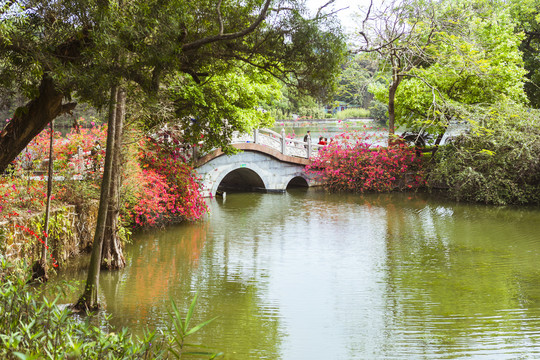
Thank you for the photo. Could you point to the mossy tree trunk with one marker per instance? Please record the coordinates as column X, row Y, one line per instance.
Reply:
column 89, row 299
column 112, row 256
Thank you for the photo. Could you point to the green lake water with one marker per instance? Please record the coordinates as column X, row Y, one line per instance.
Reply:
column 311, row 275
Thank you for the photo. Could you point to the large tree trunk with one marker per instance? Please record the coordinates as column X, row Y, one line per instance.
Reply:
column 30, row 120
column 89, row 300
column 112, row 256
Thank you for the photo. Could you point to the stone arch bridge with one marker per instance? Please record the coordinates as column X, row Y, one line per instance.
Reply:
column 268, row 162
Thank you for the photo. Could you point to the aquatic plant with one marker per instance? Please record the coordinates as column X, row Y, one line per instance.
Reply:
column 33, row 327
column 179, row 331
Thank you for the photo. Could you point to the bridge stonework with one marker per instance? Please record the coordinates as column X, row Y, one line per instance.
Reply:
column 257, row 165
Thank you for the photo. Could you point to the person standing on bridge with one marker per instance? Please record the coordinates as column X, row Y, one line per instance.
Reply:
column 307, row 138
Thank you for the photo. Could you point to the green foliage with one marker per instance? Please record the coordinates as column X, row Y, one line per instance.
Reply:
column 182, row 60
column 59, row 233
column 227, row 102
column 472, row 57
column 358, row 73
column 378, row 111
column 357, row 113
column 79, row 193
column 32, row 327
column 498, row 162
column 527, row 16
column 88, row 45
column 294, row 104
column 180, row 330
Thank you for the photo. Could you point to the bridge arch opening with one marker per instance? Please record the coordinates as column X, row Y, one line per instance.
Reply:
column 297, row 182
column 241, row 180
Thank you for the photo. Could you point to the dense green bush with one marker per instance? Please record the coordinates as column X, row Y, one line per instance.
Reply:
column 497, row 161
column 356, row 113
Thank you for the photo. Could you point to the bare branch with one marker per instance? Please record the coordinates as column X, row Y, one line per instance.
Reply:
column 380, row 47
column 230, row 36
column 325, row 5
column 367, row 16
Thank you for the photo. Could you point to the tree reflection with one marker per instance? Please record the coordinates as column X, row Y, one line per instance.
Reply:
column 176, row 264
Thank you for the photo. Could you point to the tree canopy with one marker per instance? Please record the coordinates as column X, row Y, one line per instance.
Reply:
column 57, row 50
column 444, row 55
column 358, row 73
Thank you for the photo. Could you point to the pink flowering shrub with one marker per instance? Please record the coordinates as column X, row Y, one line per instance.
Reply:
column 169, row 190
column 351, row 163
column 159, row 186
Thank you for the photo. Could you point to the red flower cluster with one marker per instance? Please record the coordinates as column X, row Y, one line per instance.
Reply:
column 350, row 162
column 169, row 189
column 74, row 153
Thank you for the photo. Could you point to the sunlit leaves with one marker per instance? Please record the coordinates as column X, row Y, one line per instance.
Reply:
column 225, row 103
column 473, row 58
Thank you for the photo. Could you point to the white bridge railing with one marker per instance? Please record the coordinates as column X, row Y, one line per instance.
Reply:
column 279, row 142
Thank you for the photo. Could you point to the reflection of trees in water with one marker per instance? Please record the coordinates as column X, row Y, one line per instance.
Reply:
column 157, row 263
column 452, row 274
column 458, row 273
column 232, row 292
column 177, row 263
